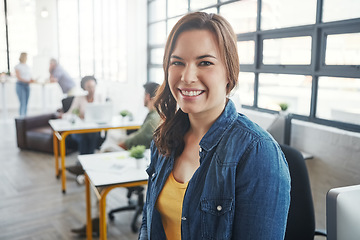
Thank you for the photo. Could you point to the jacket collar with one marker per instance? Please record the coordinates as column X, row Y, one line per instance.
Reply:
column 220, row 127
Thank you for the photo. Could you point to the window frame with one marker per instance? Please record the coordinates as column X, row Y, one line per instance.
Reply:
column 317, row 67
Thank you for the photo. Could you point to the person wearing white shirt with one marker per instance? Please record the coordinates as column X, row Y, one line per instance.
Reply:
column 23, row 75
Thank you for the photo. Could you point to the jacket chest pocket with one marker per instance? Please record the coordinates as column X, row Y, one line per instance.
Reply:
column 216, row 218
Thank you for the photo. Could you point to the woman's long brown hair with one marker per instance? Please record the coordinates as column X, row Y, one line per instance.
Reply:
column 169, row 136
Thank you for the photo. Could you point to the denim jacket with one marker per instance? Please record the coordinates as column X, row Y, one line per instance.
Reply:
column 240, row 191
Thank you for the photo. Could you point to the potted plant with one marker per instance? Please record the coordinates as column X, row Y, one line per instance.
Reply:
column 137, row 152
column 74, row 115
column 283, row 106
column 126, row 113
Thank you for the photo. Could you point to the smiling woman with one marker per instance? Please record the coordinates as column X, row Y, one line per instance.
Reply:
column 213, row 174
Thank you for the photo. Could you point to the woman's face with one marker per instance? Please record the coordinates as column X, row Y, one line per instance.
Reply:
column 197, row 74
column 90, row 87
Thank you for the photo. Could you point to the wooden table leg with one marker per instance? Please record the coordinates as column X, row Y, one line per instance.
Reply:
column 63, row 172
column 102, row 216
column 56, row 154
column 88, row 209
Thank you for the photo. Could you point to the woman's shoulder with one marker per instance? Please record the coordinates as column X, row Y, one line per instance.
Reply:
column 242, row 137
column 244, row 127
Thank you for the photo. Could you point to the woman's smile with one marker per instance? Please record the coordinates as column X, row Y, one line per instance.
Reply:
column 190, row 92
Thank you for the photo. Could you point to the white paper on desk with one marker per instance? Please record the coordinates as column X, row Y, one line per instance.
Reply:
column 110, row 168
column 109, row 163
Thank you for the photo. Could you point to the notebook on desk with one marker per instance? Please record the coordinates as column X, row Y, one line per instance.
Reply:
column 99, row 112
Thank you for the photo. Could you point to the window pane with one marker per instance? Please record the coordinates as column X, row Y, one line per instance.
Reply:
column 157, row 33
column 245, row 88
column 157, row 10
column 241, row 15
column 177, row 7
column 296, row 50
column 197, row 4
column 295, row 90
column 86, row 38
column 210, row 10
column 339, row 99
column 109, row 41
column 22, row 31
column 3, row 56
column 156, row 75
column 340, row 9
column 287, row 13
column 170, row 24
column 343, row 49
column 246, row 51
column 98, row 40
column 69, row 46
column 157, row 55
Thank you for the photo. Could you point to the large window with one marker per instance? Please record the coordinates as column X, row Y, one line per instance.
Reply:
column 92, row 39
column 303, row 53
column 3, row 51
column 90, row 36
column 21, row 23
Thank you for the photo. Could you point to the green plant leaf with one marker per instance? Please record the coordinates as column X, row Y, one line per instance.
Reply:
column 283, row 106
column 125, row 113
column 137, row 151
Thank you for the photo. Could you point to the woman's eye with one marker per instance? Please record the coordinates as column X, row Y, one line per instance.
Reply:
column 176, row 63
column 205, row 63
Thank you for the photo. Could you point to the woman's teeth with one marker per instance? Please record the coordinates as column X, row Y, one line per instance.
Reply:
column 191, row 93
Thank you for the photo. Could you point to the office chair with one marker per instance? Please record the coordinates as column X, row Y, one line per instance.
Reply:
column 132, row 205
column 301, row 217
column 66, row 103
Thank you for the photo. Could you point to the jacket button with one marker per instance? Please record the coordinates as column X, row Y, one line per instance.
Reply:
column 219, row 208
column 153, row 176
column 183, row 218
column 200, row 150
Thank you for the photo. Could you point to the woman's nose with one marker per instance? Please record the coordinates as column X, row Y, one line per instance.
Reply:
column 189, row 75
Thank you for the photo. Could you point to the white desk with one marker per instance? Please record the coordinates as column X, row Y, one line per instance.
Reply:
column 106, row 171
column 62, row 128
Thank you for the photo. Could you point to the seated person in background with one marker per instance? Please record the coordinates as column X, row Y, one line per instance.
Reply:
column 87, row 142
column 143, row 136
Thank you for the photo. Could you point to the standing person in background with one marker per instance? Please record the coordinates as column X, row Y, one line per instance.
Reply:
column 59, row 75
column 214, row 174
column 23, row 75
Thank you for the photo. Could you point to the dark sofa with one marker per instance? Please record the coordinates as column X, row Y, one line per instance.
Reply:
column 35, row 133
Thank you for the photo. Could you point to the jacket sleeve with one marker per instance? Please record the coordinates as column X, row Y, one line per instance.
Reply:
column 262, row 193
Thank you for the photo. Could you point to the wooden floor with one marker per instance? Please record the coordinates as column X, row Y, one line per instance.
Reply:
column 32, row 205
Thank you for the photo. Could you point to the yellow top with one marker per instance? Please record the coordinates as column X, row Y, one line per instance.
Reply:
column 169, row 204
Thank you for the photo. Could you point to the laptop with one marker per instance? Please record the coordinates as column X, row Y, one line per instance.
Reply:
column 99, row 112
